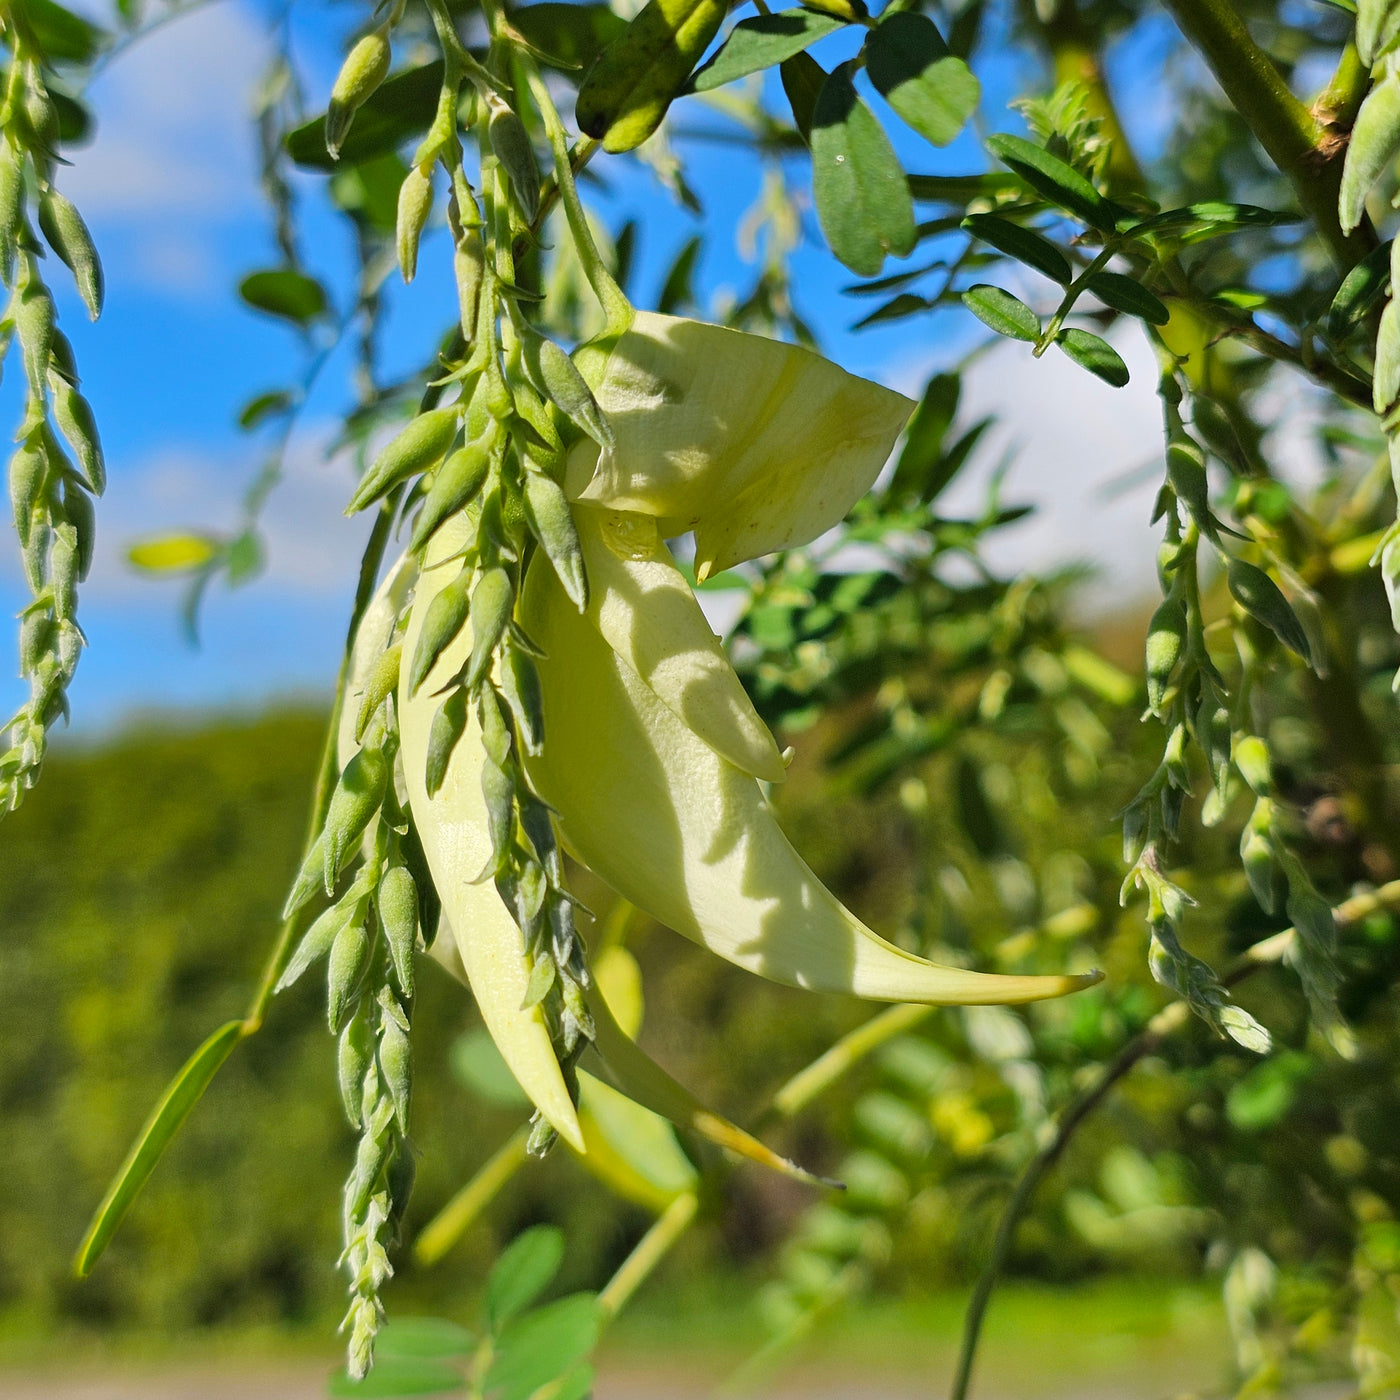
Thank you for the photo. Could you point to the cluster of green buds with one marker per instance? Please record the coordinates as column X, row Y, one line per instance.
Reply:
column 50, row 492
column 1189, row 694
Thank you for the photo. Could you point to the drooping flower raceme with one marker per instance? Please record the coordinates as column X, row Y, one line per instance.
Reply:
column 652, row 751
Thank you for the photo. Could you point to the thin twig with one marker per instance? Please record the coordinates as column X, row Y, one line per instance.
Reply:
column 1266, row 953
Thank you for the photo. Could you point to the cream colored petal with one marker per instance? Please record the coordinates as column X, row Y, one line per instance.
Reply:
column 754, row 444
column 687, row 837
column 453, row 829
column 648, row 614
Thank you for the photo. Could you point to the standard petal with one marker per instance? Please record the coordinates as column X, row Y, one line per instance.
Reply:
column 452, row 826
column 648, row 614
column 685, row 835
column 753, row 444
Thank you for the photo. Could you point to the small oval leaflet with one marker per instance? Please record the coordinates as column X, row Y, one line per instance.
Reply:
column 1020, row 243
column 1128, row 296
column 1005, row 314
column 284, row 292
column 761, row 42
column 1051, row 177
column 1094, row 354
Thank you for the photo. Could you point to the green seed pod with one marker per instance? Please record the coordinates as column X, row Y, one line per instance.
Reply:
column 398, row 917
column 417, row 448
column 520, row 684
column 68, row 236
column 456, row 483
column 499, row 792
column 36, row 637
column 365, row 67
column 553, row 523
column 381, row 683
column 448, row 726
column 511, row 143
column 34, row 320
column 77, row 506
column 415, row 204
column 345, row 971
column 74, row 416
column 316, row 942
column 354, row 1056
column 36, row 552
column 493, row 601
column 447, row 614
column 468, row 268
column 357, row 797
column 11, row 207
column 558, row 376
column 64, row 558
column 1166, row 637
column 396, row 1066
column 28, row 468
column 1251, row 757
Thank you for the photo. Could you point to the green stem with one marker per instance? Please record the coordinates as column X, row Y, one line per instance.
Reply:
column 1072, row 293
column 651, row 1249
column 1295, row 140
column 1266, row 953
column 1338, row 103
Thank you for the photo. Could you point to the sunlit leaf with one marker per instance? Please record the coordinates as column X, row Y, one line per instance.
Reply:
column 1094, row 354
column 1005, row 314
column 763, row 42
column 934, row 92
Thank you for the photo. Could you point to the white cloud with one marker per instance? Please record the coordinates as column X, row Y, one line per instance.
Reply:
column 173, row 155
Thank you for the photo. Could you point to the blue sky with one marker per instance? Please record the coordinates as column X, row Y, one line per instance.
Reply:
column 169, row 188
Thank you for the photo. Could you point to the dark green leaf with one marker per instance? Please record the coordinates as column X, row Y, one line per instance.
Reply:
column 1022, row 244
column 1128, row 296
column 1094, row 354
column 912, row 69
column 863, row 203
column 74, row 119
column 401, row 108
column 1361, row 292
column 1263, row 600
column 283, row 292
column 1056, row 181
column 1005, row 314
column 369, row 191
column 923, row 438
column 524, row 1270
column 802, row 78
column 400, row 1376
column 543, row 1345
column 635, row 79
column 961, row 189
column 896, row 309
column 181, row 1095
column 63, row 35
column 762, row 42
column 678, row 291
column 1210, row 219
column 262, row 407
column 567, row 36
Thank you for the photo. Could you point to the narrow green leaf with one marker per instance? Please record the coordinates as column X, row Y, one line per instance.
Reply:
column 264, row 406
column 183, row 1092
column 677, row 291
column 924, row 437
column 1361, row 291
column 635, row 79
column 1209, row 219
column 762, row 42
column 1051, row 177
column 1263, row 600
column 928, row 87
column 284, row 292
column 863, row 202
column 1005, row 314
column 1128, row 296
column 401, row 108
column 1374, row 141
column 896, row 309
column 524, row 1270
column 802, row 77
column 1022, row 244
column 565, row 36
column 960, row 190
column 1094, row 354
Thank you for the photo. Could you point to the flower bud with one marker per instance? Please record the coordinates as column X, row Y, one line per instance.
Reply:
column 493, row 600
column 398, row 917
column 415, row 448
column 396, row 1066
column 446, row 616
column 365, row 67
column 68, row 236
column 345, row 970
column 511, row 143
column 28, row 468
column 458, row 480
column 448, row 724
column 1251, row 757
column 553, row 523
column 354, row 1056
column 1166, row 636
column 34, row 319
column 74, row 416
column 357, row 797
